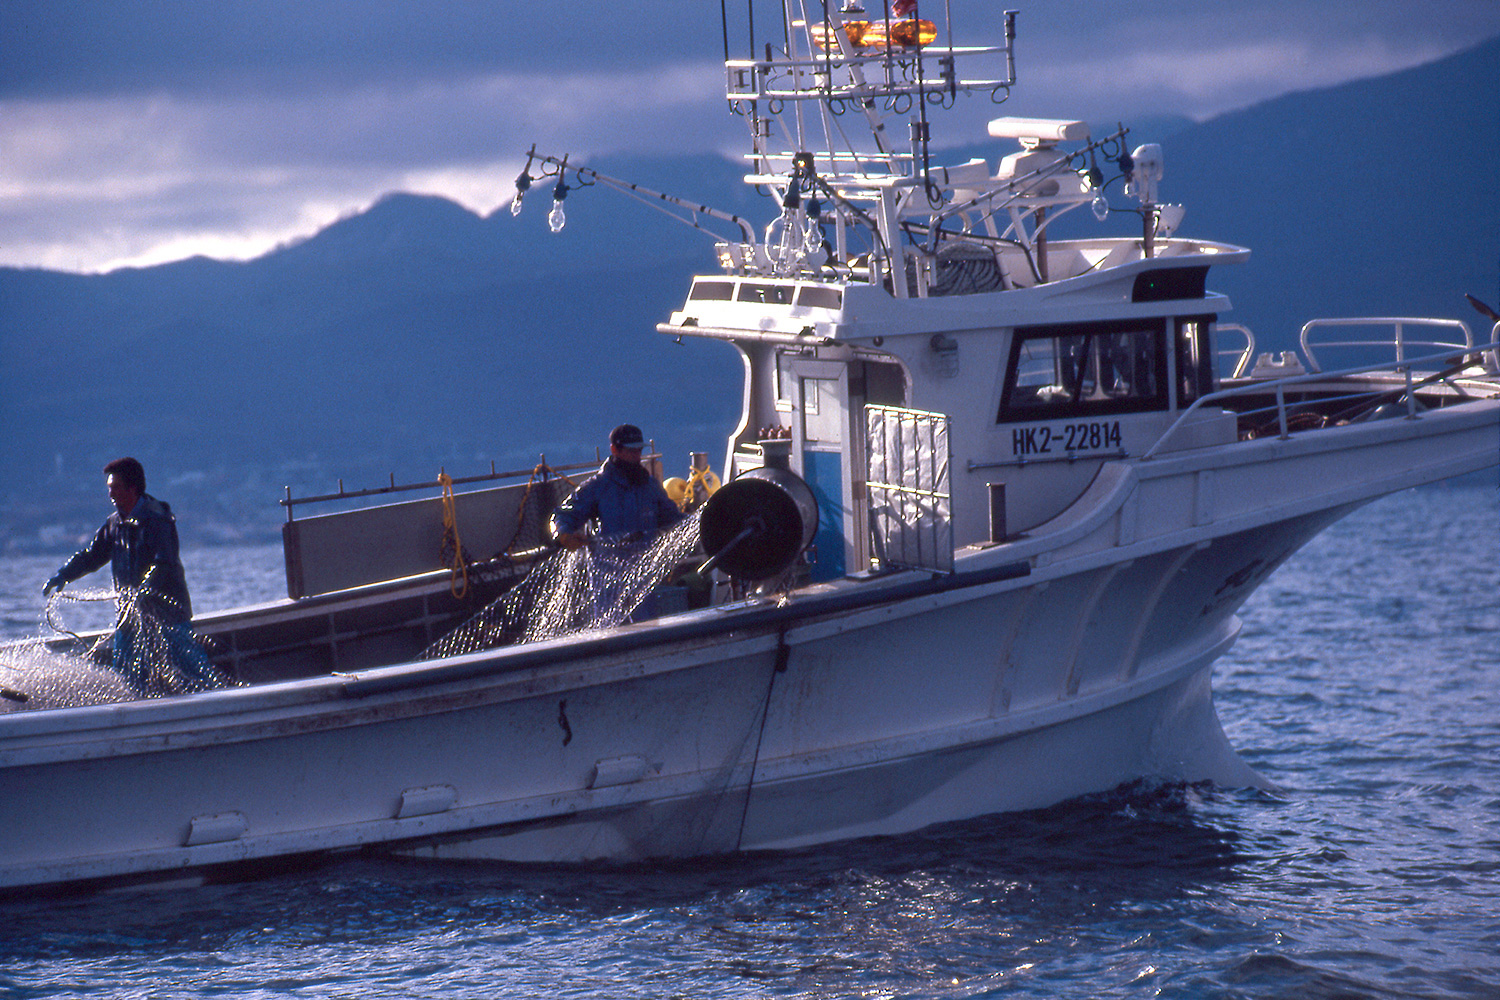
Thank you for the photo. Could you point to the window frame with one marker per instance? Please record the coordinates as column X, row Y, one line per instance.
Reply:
column 1154, row 326
column 1195, row 377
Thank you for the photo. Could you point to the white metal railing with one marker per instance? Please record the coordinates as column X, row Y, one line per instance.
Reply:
column 808, row 77
column 1246, row 355
column 1399, row 341
column 1279, row 386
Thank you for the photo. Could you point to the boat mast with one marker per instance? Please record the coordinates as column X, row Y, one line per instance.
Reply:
column 886, row 65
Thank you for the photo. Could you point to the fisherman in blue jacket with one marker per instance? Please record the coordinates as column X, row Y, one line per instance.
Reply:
column 139, row 541
column 626, row 500
column 631, row 509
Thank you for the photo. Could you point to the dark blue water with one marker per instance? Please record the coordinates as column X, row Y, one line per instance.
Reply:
column 1366, row 686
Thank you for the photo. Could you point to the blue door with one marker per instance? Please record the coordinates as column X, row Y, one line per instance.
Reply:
column 824, row 418
column 824, row 473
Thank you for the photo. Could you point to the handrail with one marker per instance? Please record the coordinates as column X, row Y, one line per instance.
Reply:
column 1399, row 322
column 1246, row 355
column 1280, row 384
column 290, row 501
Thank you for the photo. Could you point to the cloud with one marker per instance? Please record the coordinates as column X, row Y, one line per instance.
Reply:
column 61, row 48
column 140, row 132
column 93, row 183
column 1203, row 81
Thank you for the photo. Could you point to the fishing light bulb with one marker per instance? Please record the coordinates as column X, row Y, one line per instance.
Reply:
column 522, row 183
column 558, row 218
column 812, row 227
column 1100, row 205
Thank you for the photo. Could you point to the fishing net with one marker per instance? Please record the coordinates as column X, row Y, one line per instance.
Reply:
column 35, row 677
column 151, row 657
column 599, row 585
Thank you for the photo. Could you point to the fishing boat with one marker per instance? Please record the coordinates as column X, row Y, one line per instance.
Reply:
column 995, row 496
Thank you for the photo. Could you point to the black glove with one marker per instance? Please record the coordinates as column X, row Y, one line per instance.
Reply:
column 53, row 585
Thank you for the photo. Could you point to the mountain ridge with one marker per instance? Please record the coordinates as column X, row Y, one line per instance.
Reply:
column 418, row 334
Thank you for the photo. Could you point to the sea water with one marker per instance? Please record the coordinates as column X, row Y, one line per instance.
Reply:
column 1364, row 686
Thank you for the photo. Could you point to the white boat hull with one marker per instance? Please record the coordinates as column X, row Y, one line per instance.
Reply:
column 706, row 749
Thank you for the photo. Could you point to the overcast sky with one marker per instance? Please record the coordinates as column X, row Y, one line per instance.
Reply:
column 140, row 132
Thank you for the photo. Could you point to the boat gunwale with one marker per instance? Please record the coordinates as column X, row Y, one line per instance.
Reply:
column 701, row 627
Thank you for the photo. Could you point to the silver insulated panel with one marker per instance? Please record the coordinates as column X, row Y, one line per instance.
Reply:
column 911, row 507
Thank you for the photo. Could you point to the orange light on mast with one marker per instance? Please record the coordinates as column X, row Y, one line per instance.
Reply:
column 912, row 33
column 823, row 35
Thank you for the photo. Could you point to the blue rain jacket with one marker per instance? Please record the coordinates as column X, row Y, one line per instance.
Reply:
column 623, row 507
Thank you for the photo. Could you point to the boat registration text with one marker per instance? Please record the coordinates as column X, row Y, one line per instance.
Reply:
column 1043, row 439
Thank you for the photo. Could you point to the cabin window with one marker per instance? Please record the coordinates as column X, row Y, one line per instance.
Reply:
column 822, row 416
column 771, row 295
column 784, row 382
column 1096, row 368
column 720, row 291
column 1195, row 359
column 820, row 297
column 1169, row 284
column 885, row 384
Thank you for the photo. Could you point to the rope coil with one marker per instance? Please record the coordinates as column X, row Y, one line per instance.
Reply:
column 453, row 555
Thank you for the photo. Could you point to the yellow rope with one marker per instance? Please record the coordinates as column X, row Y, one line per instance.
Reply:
column 539, row 474
column 459, row 585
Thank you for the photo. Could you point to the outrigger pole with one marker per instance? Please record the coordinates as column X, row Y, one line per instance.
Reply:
column 653, row 199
